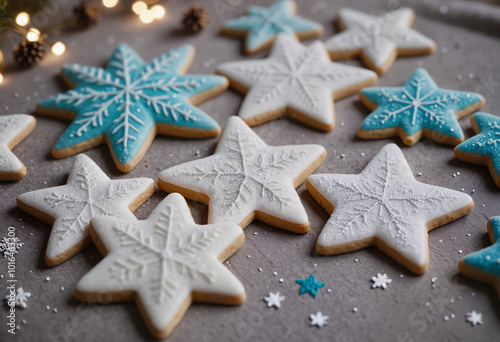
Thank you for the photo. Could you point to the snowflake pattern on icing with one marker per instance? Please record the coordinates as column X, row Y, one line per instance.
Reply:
column 166, row 255
column 10, row 246
column 382, row 198
column 10, row 128
column 246, row 175
column 86, row 200
column 294, row 76
column 486, row 142
column 377, row 37
column 246, row 172
column 384, row 201
column 419, row 104
column 125, row 100
column 163, row 259
column 88, row 193
column 263, row 24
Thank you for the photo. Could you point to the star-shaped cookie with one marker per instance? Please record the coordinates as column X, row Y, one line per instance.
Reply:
column 484, row 265
column 378, row 39
column 164, row 263
column 246, row 179
column 69, row 208
column 261, row 25
column 13, row 129
column 386, row 207
column 129, row 102
column 417, row 109
column 483, row 148
column 295, row 79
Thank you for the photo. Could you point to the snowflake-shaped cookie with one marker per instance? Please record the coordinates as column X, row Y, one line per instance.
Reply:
column 246, row 179
column 13, row 129
column 483, row 148
column 484, row 265
column 261, row 25
column 164, row 262
column 378, row 39
column 127, row 103
column 69, row 208
column 417, row 109
column 295, row 79
column 386, row 207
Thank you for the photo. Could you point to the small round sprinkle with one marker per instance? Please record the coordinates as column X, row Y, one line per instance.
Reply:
column 355, row 309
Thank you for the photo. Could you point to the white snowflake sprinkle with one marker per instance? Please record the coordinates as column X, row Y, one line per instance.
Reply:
column 20, row 298
column 318, row 319
column 474, row 318
column 274, row 299
column 381, row 280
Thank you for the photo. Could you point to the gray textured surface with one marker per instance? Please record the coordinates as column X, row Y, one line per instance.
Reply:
column 399, row 313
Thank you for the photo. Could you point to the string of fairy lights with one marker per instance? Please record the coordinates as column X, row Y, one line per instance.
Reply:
column 147, row 11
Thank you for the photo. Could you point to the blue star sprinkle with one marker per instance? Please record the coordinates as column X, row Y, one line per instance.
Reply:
column 262, row 24
column 484, row 265
column 309, row 285
column 483, row 148
column 419, row 108
column 130, row 101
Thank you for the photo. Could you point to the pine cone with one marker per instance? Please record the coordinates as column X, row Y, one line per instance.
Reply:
column 28, row 53
column 195, row 19
column 87, row 13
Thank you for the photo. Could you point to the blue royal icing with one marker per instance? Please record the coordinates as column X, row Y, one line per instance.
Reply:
column 264, row 23
column 125, row 100
column 418, row 104
column 487, row 260
column 487, row 141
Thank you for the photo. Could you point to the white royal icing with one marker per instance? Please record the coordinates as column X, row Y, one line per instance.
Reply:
column 10, row 127
column 246, row 175
column 88, row 193
column 296, row 76
column 377, row 36
column 163, row 259
column 385, row 201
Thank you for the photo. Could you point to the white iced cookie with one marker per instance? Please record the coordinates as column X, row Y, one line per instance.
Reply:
column 386, row 207
column 295, row 79
column 69, row 208
column 378, row 39
column 164, row 262
column 13, row 129
column 246, row 179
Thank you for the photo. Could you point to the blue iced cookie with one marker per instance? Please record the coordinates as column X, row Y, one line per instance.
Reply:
column 483, row 148
column 484, row 265
column 261, row 25
column 417, row 109
column 130, row 101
